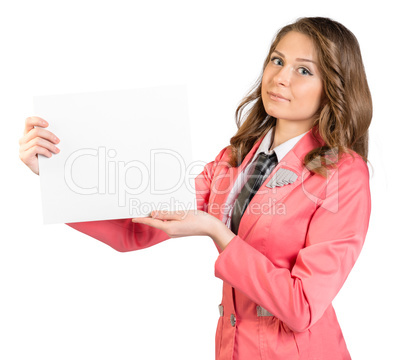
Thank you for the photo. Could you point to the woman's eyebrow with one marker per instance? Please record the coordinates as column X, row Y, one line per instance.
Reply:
column 298, row 59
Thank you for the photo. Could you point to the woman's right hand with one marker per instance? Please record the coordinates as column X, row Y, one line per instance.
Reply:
column 36, row 141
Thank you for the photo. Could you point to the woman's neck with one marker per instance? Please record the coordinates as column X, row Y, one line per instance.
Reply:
column 285, row 130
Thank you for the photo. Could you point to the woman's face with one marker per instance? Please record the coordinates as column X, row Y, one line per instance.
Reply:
column 292, row 86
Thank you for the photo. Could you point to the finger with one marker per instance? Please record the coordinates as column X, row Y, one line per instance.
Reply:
column 32, row 121
column 40, row 143
column 39, row 133
column 168, row 215
column 29, row 157
column 159, row 224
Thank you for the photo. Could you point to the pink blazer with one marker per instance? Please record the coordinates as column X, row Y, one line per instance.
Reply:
column 295, row 247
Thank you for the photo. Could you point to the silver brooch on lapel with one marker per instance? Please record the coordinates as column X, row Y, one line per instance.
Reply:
column 282, row 177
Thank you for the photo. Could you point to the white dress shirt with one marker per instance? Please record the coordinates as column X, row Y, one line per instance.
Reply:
column 280, row 150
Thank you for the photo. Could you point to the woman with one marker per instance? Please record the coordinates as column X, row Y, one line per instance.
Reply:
column 284, row 250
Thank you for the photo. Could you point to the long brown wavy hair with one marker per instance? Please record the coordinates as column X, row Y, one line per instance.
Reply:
column 345, row 116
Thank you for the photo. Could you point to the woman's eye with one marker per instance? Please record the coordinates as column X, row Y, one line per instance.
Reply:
column 304, row 71
column 276, row 61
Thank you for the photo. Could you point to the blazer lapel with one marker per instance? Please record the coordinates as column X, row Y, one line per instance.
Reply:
column 225, row 183
column 290, row 167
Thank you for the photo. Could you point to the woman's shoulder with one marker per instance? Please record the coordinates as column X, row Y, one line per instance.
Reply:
column 351, row 166
column 224, row 155
column 352, row 159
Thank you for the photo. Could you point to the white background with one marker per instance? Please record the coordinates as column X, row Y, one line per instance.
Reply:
column 65, row 295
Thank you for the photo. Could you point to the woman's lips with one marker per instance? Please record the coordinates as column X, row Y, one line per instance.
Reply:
column 277, row 97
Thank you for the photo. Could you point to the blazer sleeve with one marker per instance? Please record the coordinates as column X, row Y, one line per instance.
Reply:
column 335, row 237
column 123, row 235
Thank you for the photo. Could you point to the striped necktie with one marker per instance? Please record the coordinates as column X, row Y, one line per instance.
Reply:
column 264, row 165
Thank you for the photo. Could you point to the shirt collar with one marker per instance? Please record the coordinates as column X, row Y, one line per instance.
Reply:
column 280, row 150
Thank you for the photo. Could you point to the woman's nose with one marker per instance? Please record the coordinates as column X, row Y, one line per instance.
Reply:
column 283, row 76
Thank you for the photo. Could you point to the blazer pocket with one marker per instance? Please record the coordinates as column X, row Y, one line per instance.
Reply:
column 276, row 340
column 303, row 343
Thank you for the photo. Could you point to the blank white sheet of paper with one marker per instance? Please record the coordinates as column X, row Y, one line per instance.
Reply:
column 122, row 154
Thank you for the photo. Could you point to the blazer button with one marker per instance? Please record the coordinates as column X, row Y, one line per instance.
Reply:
column 233, row 320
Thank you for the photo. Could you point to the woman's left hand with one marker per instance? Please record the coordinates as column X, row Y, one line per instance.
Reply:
column 189, row 223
